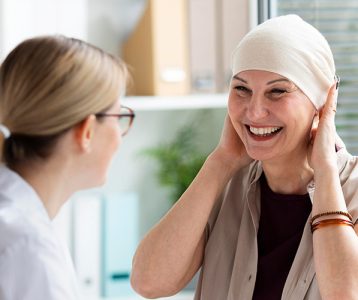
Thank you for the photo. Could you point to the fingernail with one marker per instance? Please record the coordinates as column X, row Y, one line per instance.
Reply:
column 338, row 80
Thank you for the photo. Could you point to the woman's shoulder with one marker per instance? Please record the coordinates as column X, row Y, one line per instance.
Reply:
column 231, row 200
column 348, row 174
column 348, row 166
column 19, row 230
column 244, row 177
column 23, row 218
column 27, row 257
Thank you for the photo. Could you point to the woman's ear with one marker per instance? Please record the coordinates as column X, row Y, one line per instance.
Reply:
column 84, row 132
column 314, row 126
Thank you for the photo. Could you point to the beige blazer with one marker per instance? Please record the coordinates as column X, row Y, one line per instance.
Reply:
column 229, row 267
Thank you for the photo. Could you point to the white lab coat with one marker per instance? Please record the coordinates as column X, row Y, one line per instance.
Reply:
column 34, row 264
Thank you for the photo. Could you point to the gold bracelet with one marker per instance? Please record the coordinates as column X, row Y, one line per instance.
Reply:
column 328, row 213
column 328, row 222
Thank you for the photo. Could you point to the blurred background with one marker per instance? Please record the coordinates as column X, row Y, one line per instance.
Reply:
column 179, row 53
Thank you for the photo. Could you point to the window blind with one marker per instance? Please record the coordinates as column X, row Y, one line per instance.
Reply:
column 338, row 22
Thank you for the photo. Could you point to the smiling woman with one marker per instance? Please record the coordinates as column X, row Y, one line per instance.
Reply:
column 271, row 115
column 245, row 219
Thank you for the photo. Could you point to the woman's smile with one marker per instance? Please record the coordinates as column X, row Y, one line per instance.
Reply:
column 263, row 133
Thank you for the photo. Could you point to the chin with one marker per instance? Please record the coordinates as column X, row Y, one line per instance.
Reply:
column 260, row 155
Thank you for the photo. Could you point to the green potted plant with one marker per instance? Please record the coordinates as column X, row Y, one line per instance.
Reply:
column 178, row 160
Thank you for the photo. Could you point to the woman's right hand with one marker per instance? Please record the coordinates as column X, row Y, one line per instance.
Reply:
column 231, row 150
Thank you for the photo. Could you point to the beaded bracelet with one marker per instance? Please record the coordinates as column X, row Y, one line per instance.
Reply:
column 328, row 213
column 329, row 222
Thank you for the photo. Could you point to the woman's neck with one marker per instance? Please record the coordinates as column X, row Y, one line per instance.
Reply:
column 288, row 176
column 50, row 181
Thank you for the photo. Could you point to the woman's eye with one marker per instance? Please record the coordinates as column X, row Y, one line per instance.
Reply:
column 276, row 93
column 241, row 90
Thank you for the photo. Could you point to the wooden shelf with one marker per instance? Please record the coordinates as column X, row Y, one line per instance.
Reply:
column 195, row 101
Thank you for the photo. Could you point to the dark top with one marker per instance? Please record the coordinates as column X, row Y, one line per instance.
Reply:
column 282, row 220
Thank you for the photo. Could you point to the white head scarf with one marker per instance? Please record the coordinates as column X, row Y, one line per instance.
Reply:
column 292, row 48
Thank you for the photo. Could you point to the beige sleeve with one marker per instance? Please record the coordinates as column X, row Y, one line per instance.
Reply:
column 214, row 214
column 349, row 181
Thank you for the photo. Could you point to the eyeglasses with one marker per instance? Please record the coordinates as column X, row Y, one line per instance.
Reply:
column 125, row 118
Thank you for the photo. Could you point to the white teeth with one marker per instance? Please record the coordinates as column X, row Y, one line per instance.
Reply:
column 263, row 131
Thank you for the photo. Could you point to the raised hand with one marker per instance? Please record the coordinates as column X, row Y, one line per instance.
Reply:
column 322, row 148
column 231, row 149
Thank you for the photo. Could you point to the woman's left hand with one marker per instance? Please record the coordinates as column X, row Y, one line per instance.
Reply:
column 322, row 144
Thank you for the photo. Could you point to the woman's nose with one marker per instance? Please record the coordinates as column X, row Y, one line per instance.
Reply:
column 256, row 109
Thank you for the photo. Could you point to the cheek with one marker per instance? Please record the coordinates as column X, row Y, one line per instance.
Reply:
column 113, row 139
column 237, row 111
column 236, row 107
column 306, row 118
column 303, row 125
column 117, row 138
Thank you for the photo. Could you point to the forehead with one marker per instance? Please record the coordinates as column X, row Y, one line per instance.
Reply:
column 260, row 76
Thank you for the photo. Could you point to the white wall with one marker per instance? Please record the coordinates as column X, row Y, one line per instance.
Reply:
column 21, row 19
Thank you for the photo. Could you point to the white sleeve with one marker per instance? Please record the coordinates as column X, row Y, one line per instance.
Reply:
column 37, row 270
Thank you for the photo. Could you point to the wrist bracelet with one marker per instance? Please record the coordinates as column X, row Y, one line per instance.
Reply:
column 328, row 222
column 328, row 213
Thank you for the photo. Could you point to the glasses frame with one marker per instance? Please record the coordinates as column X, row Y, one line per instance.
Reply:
column 130, row 115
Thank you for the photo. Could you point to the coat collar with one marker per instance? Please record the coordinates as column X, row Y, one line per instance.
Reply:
column 15, row 191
